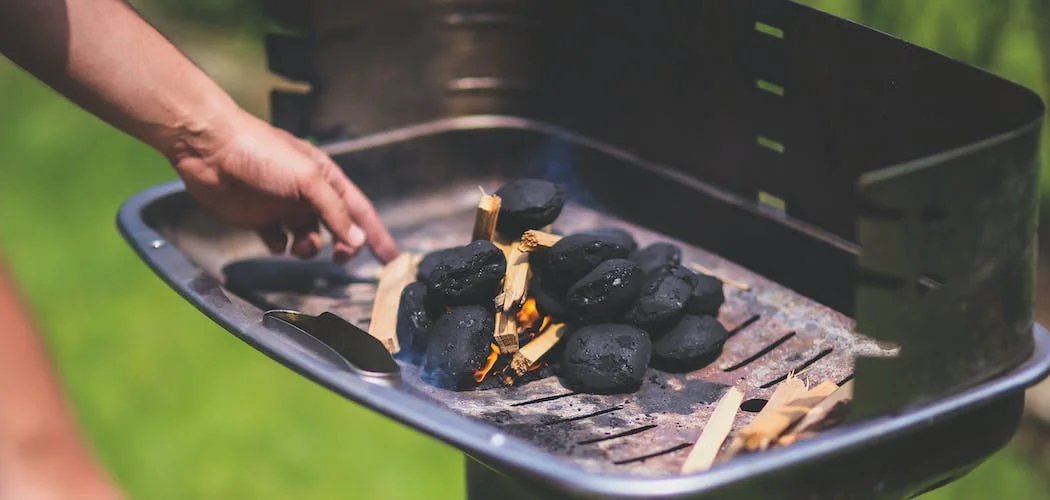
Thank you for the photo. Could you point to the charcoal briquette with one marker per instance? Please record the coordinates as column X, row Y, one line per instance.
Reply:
column 458, row 345
column 707, row 296
column 468, row 275
column 414, row 317
column 664, row 295
column 551, row 303
column 572, row 257
column 693, row 343
column 607, row 292
column 605, row 359
column 528, row 204
column 656, row 256
column 616, row 234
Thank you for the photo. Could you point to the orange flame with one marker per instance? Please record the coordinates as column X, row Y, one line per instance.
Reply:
column 529, row 313
column 537, row 366
column 544, row 324
column 479, row 375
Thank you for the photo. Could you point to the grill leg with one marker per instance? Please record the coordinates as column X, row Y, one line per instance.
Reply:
column 485, row 484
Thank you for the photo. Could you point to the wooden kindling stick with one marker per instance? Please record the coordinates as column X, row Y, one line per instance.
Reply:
column 506, row 333
column 394, row 277
column 789, row 389
column 533, row 239
column 817, row 415
column 515, row 288
column 530, row 353
column 516, row 283
column 791, row 403
column 710, row 272
column 703, row 454
column 486, row 216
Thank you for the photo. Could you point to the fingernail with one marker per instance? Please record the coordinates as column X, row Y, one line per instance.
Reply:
column 356, row 237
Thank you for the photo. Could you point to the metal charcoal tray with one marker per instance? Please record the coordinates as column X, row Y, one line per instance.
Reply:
column 618, row 446
column 839, row 171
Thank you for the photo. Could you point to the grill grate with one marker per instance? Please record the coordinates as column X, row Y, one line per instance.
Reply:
column 774, row 331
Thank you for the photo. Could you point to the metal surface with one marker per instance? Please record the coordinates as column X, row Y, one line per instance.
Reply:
column 648, row 429
column 831, row 457
column 774, row 331
column 361, row 353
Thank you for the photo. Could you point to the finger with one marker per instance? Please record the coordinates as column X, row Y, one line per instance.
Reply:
column 275, row 238
column 306, row 238
column 358, row 205
column 342, row 253
column 362, row 211
column 331, row 208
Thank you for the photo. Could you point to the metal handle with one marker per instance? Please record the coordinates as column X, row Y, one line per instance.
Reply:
column 341, row 343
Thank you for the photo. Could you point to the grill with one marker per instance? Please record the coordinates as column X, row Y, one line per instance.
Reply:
column 841, row 173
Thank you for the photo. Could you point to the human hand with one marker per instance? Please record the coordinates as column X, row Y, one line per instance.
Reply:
column 238, row 167
column 253, row 175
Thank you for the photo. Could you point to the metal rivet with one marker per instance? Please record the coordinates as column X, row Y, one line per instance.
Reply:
column 498, row 439
column 157, row 243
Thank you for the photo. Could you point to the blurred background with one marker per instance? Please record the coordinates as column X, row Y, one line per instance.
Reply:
column 180, row 410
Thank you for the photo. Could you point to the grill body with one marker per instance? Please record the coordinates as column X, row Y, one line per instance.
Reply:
column 859, row 140
column 846, row 173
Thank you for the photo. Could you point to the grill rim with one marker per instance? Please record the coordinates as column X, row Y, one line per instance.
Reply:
column 515, row 456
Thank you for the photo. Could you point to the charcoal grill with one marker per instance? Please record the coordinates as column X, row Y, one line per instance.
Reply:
column 843, row 174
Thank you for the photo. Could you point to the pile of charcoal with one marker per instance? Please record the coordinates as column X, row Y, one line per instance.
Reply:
column 618, row 309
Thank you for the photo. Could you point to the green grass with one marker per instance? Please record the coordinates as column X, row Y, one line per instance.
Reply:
column 1007, row 475
column 177, row 408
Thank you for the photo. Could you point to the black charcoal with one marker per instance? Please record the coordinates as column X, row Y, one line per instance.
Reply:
column 466, row 275
column 528, row 204
column 657, row 255
column 572, row 257
column 414, row 317
column 693, row 343
column 551, row 303
column 616, row 234
column 606, row 293
column 458, row 345
column 662, row 300
column 605, row 359
column 707, row 296
column 538, row 260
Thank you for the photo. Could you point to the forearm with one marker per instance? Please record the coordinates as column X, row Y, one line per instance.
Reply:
column 41, row 453
column 27, row 385
column 104, row 57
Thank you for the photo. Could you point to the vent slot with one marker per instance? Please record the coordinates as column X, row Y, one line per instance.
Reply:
column 747, row 322
column 765, row 350
column 770, row 87
column 544, row 399
column 770, row 144
column 631, row 432
column 753, row 405
column 581, row 417
column 768, row 29
column 798, row 368
column 653, row 455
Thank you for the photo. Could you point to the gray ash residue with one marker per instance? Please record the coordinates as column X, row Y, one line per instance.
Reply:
column 662, row 398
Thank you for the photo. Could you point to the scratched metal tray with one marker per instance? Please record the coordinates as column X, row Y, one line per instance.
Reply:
column 567, row 444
